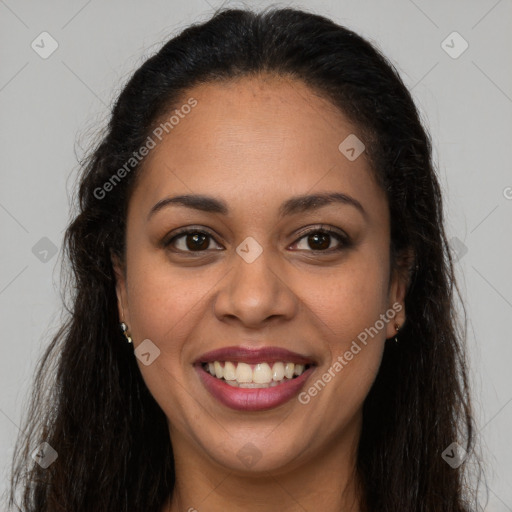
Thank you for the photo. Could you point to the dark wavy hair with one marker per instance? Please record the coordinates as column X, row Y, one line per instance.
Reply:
column 90, row 402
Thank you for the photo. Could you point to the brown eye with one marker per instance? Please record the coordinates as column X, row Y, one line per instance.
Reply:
column 190, row 241
column 321, row 239
column 197, row 241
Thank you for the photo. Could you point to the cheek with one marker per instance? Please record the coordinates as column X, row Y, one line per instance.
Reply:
column 351, row 304
column 353, row 297
column 163, row 301
column 166, row 305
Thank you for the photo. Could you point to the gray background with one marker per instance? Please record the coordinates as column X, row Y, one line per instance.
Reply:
column 51, row 108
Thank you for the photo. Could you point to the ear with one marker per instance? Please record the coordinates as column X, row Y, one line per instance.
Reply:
column 399, row 284
column 122, row 296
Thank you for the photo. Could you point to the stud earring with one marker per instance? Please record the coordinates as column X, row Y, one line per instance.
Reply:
column 124, row 328
column 397, row 327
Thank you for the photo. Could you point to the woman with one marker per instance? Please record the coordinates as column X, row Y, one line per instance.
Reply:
column 263, row 307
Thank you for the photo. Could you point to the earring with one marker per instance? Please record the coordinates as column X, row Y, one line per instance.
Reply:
column 397, row 327
column 124, row 328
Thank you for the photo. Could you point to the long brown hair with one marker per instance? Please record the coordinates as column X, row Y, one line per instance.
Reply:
column 90, row 402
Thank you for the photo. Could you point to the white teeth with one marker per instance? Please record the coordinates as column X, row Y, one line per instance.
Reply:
column 229, row 371
column 260, row 375
column 219, row 372
column 278, row 371
column 299, row 368
column 288, row 370
column 243, row 373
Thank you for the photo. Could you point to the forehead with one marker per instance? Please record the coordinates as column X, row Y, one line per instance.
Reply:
column 254, row 139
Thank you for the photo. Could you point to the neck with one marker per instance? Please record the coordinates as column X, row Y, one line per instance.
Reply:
column 327, row 481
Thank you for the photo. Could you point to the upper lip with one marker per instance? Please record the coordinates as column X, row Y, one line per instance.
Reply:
column 254, row 355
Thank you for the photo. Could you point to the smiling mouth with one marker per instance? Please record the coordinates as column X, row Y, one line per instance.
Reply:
column 259, row 375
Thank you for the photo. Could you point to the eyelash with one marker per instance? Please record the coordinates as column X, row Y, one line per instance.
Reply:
column 343, row 239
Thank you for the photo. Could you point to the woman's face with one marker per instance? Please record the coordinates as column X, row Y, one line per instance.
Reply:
column 259, row 278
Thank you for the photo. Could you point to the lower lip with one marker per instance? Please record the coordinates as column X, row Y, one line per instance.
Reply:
column 252, row 399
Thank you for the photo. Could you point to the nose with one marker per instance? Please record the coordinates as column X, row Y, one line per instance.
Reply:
column 255, row 293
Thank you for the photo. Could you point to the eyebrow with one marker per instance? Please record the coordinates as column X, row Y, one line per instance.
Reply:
column 294, row 205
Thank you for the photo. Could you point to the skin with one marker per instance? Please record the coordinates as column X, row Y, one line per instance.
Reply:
column 255, row 143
